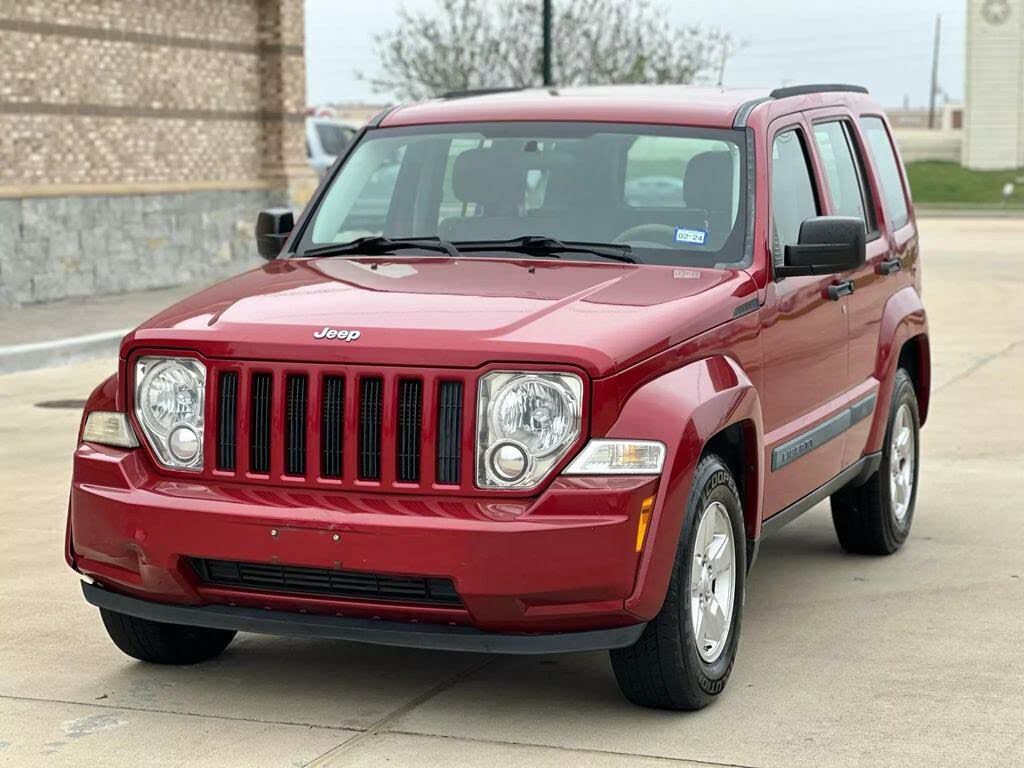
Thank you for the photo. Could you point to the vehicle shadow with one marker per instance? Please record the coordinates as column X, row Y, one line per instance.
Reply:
column 350, row 685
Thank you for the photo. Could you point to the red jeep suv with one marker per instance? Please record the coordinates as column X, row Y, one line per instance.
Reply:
column 534, row 371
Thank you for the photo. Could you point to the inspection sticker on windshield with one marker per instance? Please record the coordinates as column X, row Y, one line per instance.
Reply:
column 691, row 236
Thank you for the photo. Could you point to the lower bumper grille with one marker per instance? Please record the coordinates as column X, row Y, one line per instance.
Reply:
column 325, row 582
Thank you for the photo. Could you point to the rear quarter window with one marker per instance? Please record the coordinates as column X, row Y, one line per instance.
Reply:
column 842, row 164
column 888, row 170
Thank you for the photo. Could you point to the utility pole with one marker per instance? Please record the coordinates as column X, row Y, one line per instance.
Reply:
column 935, row 72
column 721, row 63
column 548, row 79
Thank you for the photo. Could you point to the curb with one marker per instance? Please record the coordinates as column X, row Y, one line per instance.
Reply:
column 939, row 212
column 47, row 354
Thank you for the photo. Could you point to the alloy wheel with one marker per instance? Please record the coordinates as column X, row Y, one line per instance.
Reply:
column 712, row 582
column 902, row 450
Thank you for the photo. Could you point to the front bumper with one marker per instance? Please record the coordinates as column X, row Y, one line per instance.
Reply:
column 563, row 562
column 437, row 637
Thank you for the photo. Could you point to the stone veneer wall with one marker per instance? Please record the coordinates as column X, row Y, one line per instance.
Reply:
column 60, row 247
column 139, row 138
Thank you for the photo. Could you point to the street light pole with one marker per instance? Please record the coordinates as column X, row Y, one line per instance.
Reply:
column 548, row 79
column 935, row 72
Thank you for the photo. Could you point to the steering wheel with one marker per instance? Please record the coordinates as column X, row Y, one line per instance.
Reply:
column 656, row 235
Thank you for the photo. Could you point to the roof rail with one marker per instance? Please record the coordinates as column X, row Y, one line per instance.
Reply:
column 478, row 92
column 803, row 90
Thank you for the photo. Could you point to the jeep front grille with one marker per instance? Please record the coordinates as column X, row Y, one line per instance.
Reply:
column 349, row 427
column 326, row 582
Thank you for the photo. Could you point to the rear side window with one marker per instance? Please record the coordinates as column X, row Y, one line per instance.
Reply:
column 793, row 199
column 845, row 180
column 888, row 170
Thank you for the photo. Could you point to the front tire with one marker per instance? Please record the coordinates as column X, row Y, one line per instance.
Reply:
column 160, row 643
column 875, row 518
column 685, row 654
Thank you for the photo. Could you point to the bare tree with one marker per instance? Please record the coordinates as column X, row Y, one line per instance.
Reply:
column 466, row 44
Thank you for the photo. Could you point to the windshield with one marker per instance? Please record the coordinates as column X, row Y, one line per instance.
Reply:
column 674, row 195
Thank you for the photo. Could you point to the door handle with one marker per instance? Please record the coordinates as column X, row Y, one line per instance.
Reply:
column 837, row 290
column 889, row 266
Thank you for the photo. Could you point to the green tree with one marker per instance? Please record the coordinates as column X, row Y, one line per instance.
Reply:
column 468, row 44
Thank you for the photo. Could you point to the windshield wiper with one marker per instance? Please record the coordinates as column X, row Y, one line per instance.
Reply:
column 375, row 244
column 538, row 245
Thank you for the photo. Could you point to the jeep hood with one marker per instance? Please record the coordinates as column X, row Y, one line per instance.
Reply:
column 446, row 312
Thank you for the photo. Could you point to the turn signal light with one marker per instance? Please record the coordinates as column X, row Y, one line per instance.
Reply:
column 646, row 506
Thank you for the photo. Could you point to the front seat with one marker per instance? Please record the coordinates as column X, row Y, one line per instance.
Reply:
column 707, row 184
column 494, row 180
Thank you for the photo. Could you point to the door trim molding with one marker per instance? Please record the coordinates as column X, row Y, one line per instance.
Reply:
column 815, row 437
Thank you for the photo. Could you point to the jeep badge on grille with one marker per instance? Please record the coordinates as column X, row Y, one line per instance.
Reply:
column 334, row 333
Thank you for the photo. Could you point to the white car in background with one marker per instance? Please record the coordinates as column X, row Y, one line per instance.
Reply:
column 326, row 138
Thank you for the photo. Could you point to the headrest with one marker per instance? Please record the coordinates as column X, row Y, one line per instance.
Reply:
column 708, row 181
column 487, row 175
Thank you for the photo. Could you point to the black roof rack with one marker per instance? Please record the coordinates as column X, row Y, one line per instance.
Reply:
column 803, row 90
column 478, row 92
column 740, row 121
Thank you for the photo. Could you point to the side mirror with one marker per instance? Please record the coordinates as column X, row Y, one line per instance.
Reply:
column 272, row 229
column 828, row 245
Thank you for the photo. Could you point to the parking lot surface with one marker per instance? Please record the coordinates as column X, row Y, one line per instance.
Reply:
column 913, row 659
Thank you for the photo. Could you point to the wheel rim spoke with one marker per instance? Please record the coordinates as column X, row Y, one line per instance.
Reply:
column 712, row 625
column 695, row 576
column 698, row 626
column 721, row 555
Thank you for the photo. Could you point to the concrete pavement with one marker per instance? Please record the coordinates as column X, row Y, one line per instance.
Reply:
column 844, row 661
column 73, row 330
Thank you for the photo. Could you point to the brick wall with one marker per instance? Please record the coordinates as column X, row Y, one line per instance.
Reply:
column 138, row 138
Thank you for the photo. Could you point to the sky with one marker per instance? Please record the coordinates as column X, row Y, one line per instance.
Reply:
column 885, row 45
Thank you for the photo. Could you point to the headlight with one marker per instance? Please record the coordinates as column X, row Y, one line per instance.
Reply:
column 525, row 423
column 170, row 394
column 618, row 457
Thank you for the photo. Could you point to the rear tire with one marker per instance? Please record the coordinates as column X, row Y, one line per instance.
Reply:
column 666, row 668
column 875, row 518
column 164, row 643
